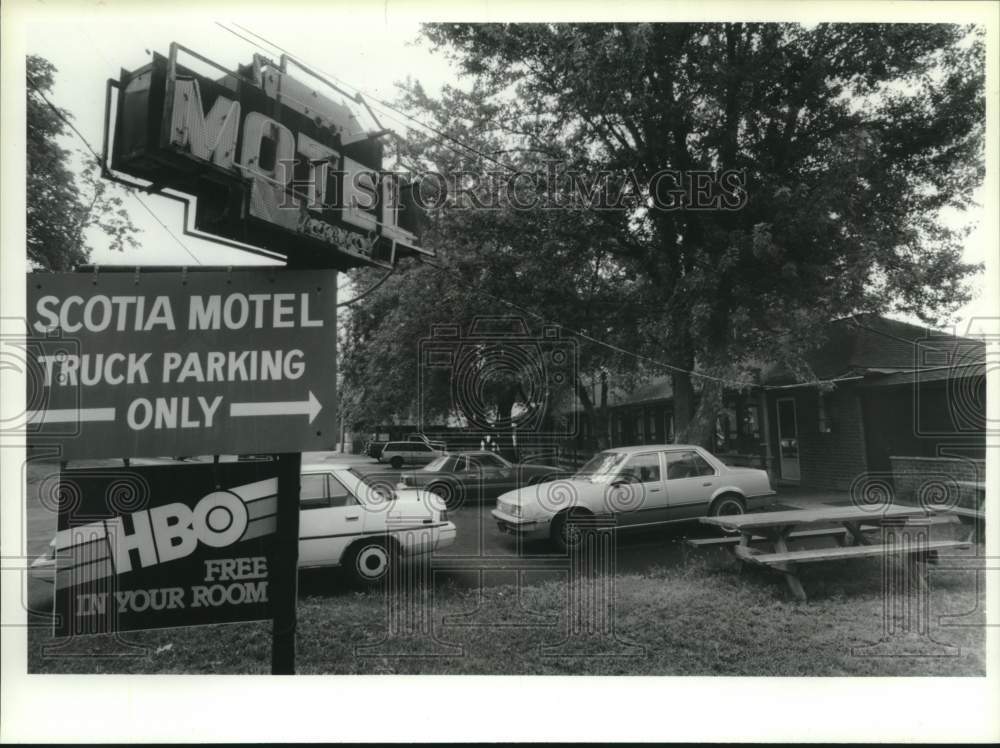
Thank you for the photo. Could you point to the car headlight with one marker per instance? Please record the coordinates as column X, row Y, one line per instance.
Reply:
column 514, row 510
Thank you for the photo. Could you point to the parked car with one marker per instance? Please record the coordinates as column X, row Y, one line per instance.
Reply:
column 429, row 442
column 364, row 526
column 374, row 449
column 462, row 477
column 398, row 454
column 348, row 520
column 636, row 487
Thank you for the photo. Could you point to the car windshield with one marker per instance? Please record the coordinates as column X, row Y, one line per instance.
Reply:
column 601, row 467
column 438, row 464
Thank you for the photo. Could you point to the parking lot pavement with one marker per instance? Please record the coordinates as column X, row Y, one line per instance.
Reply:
column 484, row 556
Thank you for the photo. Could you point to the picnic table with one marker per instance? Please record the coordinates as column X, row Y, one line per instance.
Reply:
column 774, row 530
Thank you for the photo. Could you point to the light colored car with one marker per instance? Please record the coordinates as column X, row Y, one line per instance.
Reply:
column 365, row 527
column 345, row 520
column 398, row 454
column 633, row 487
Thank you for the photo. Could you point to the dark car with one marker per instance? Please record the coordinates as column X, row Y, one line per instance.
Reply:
column 374, row 449
column 466, row 477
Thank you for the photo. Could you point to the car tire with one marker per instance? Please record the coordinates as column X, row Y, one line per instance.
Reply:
column 729, row 504
column 562, row 532
column 451, row 495
column 396, row 463
column 368, row 561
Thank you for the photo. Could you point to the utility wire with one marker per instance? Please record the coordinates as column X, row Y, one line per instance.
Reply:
column 59, row 113
column 580, row 333
column 368, row 95
column 368, row 290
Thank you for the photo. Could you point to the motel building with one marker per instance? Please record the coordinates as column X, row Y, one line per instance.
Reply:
column 907, row 412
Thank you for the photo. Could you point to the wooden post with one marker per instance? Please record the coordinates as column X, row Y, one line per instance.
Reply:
column 284, row 587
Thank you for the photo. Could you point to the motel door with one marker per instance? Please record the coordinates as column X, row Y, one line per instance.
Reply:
column 788, row 440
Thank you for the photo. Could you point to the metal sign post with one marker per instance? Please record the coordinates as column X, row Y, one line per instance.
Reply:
column 286, row 571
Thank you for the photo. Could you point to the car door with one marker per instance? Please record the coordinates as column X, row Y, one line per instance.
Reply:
column 469, row 475
column 495, row 475
column 691, row 480
column 419, row 453
column 637, row 496
column 330, row 519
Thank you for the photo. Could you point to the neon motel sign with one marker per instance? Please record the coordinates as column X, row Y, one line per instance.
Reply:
column 272, row 161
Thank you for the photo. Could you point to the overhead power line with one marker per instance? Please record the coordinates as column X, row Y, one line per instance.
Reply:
column 369, row 96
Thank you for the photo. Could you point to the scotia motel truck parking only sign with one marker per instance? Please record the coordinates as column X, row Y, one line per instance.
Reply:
column 125, row 364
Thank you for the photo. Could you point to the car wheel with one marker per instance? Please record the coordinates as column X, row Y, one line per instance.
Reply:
column 728, row 505
column 563, row 531
column 368, row 561
column 396, row 463
column 450, row 495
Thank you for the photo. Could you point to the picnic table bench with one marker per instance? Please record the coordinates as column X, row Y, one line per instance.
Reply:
column 775, row 529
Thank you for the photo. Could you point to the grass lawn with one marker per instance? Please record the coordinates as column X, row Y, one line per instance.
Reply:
column 704, row 618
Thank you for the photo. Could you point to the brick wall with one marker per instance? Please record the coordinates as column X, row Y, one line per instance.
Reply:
column 930, row 480
column 826, row 460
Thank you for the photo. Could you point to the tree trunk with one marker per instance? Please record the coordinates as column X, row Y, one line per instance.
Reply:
column 684, row 406
column 598, row 414
column 701, row 428
column 505, row 432
column 603, row 427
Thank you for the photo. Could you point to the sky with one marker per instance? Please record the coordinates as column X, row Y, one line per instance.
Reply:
column 371, row 48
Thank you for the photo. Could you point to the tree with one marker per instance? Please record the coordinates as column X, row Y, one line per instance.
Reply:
column 62, row 205
column 532, row 266
column 852, row 138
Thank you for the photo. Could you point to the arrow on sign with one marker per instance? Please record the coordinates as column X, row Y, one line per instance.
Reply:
column 310, row 407
column 71, row 415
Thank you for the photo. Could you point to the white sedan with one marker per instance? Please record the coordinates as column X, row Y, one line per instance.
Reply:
column 633, row 487
column 364, row 527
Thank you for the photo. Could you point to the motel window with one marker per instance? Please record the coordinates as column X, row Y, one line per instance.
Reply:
column 751, row 421
column 725, row 430
column 825, row 425
column 640, row 428
column 668, row 427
